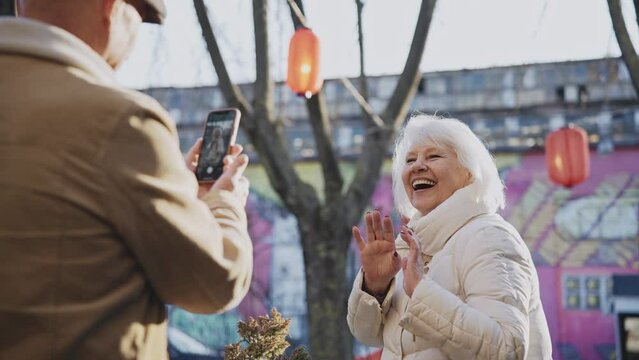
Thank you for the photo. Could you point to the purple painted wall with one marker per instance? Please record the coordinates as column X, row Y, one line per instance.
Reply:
column 566, row 254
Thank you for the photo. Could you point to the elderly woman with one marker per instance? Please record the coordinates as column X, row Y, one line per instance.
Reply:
column 459, row 282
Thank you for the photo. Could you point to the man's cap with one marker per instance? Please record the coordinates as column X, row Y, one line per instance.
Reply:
column 155, row 11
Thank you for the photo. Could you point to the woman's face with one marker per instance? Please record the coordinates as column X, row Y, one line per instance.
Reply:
column 431, row 175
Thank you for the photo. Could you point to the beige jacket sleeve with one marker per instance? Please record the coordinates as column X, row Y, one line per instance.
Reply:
column 492, row 323
column 196, row 254
column 366, row 316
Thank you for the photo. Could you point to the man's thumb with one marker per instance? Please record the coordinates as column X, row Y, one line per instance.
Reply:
column 239, row 165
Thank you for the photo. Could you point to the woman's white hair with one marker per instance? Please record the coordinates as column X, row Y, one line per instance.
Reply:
column 456, row 136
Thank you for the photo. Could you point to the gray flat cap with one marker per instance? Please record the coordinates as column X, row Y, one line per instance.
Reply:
column 155, row 11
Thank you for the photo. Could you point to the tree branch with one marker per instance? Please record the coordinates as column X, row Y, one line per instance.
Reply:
column 363, row 84
column 320, row 124
column 299, row 197
column 263, row 82
column 407, row 85
column 367, row 170
column 377, row 140
column 297, row 13
column 628, row 52
column 373, row 120
column 369, row 113
column 231, row 92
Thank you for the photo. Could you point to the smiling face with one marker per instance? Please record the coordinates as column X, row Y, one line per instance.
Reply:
column 431, row 175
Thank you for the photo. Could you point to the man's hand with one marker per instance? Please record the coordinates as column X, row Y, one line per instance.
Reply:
column 191, row 162
column 232, row 179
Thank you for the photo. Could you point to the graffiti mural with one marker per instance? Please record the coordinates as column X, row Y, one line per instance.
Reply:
column 579, row 237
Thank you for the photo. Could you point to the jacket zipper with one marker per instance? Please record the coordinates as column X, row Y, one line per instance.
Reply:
column 401, row 335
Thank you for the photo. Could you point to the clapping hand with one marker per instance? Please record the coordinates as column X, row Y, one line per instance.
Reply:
column 380, row 261
column 412, row 265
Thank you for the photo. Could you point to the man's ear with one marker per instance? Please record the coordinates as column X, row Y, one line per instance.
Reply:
column 108, row 6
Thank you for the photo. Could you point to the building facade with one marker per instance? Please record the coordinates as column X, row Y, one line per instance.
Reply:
column 512, row 108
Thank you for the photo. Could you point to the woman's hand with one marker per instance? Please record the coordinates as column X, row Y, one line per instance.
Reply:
column 380, row 261
column 412, row 265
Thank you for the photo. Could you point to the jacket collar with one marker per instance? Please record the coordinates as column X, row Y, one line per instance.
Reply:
column 22, row 36
column 435, row 228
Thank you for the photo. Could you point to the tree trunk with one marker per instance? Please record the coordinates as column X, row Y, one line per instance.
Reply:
column 324, row 226
column 327, row 290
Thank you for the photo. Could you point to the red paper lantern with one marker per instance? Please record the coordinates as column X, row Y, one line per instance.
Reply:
column 567, row 156
column 304, row 63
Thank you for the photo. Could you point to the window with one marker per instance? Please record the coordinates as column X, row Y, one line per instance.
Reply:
column 512, row 125
column 436, row 86
column 593, row 296
column 586, row 292
column 476, row 81
column 529, row 80
column 572, row 292
column 421, row 87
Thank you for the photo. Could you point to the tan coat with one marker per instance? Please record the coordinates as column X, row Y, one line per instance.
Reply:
column 100, row 224
column 478, row 300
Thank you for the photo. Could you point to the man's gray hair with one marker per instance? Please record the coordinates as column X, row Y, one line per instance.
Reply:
column 456, row 136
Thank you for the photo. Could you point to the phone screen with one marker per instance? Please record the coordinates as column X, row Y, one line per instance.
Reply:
column 219, row 132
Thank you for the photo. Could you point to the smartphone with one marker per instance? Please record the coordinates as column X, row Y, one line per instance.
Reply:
column 220, row 132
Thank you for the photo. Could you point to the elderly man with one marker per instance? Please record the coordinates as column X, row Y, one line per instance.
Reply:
column 101, row 220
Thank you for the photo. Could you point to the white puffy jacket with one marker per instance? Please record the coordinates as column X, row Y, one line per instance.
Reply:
column 478, row 300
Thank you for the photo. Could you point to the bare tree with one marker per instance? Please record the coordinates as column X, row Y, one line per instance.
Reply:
column 324, row 226
column 628, row 52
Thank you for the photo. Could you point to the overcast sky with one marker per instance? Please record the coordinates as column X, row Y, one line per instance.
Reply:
column 463, row 34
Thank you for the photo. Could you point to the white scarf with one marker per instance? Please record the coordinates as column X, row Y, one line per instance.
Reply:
column 435, row 228
column 33, row 38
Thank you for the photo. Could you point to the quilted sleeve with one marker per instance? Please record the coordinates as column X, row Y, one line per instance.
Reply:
column 496, row 275
column 365, row 315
